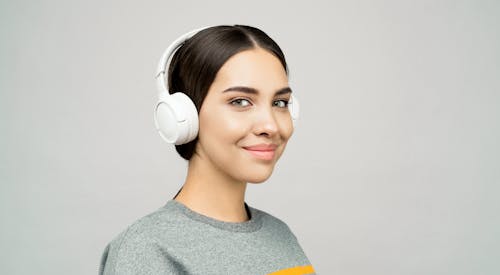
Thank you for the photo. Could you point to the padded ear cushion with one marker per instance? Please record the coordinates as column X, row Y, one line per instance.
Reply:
column 294, row 108
column 176, row 118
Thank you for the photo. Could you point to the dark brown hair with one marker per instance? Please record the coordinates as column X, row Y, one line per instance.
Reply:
column 195, row 64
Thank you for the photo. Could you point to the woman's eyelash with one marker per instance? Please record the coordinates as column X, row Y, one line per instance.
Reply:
column 285, row 102
column 238, row 101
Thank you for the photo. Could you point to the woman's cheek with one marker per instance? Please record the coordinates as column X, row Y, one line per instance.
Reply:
column 236, row 122
column 286, row 127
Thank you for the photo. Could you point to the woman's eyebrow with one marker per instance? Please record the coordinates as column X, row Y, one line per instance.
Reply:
column 250, row 90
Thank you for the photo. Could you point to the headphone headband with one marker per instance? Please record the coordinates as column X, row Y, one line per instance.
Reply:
column 161, row 81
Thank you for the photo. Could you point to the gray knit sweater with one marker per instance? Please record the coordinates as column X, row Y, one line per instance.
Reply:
column 176, row 240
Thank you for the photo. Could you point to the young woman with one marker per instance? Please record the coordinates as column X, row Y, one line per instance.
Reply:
column 232, row 127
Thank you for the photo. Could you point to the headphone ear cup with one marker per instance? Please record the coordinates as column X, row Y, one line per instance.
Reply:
column 176, row 118
column 294, row 108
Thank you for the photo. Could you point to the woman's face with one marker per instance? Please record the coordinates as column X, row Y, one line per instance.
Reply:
column 246, row 106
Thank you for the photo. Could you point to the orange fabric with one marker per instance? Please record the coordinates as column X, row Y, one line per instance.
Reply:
column 298, row 270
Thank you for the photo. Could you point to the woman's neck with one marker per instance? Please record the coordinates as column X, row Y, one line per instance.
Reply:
column 212, row 193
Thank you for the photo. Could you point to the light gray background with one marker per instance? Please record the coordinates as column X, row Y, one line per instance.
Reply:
column 393, row 168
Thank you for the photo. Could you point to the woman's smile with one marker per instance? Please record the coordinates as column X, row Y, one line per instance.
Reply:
column 262, row 151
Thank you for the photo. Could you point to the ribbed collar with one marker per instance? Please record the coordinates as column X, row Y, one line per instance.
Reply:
column 252, row 225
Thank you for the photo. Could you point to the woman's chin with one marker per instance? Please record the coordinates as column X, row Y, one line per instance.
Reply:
column 259, row 178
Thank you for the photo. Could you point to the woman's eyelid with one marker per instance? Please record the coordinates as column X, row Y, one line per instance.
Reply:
column 285, row 102
column 235, row 99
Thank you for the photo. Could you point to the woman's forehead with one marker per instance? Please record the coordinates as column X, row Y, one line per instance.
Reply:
column 256, row 68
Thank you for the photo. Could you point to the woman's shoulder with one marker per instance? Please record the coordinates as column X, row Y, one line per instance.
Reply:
column 146, row 227
column 272, row 221
column 137, row 240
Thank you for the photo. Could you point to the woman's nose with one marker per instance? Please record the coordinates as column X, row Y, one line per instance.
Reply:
column 265, row 122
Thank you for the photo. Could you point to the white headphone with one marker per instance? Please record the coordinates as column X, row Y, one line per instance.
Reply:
column 175, row 115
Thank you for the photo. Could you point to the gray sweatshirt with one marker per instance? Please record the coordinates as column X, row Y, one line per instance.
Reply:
column 176, row 240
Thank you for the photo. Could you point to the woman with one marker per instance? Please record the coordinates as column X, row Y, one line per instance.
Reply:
column 238, row 124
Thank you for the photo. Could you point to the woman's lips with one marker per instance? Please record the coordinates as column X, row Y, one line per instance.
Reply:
column 265, row 152
column 265, row 155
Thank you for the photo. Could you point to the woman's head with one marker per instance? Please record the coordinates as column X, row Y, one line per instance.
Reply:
column 237, row 79
column 195, row 64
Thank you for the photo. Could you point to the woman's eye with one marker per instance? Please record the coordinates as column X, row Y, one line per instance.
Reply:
column 281, row 103
column 240, row 102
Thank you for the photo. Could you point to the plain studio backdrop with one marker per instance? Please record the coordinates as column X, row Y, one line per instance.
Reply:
column 393, row 167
